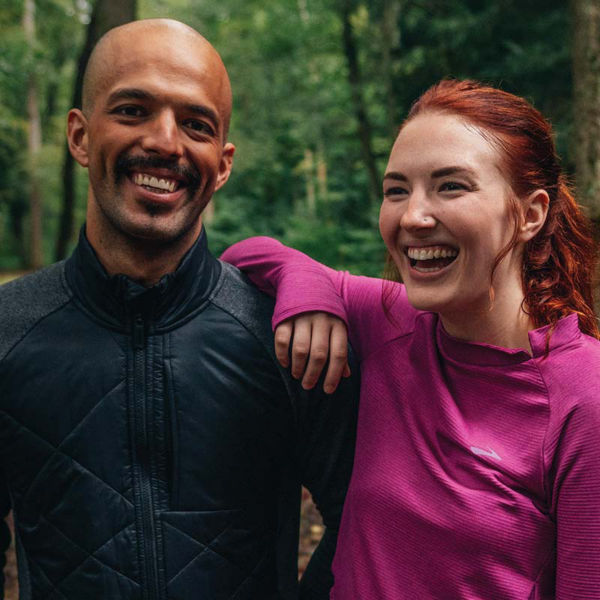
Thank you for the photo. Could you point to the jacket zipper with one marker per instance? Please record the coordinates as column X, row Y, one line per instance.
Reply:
column 143, row 466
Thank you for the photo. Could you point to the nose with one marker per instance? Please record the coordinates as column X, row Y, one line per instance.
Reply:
column 163, row 136
column 418, row 213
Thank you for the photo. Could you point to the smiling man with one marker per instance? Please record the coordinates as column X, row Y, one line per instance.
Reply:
column 150, row 446
column 152, row 133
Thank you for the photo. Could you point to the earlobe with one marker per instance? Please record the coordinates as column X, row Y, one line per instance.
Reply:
column 535, row 211
column 225, row 165
column 77, row 136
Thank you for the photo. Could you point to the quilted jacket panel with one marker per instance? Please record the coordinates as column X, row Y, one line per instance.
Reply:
column 149, row 444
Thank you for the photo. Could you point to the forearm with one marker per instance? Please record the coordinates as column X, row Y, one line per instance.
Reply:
column 299, row 283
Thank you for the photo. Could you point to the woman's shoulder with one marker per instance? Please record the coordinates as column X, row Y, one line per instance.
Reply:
column 571, row 373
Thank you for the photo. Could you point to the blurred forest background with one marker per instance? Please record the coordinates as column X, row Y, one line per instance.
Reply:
column 320, row 88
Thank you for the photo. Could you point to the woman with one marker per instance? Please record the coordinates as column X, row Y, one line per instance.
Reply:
column 477, row 468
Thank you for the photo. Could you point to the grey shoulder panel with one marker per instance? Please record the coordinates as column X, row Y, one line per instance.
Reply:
column 27, row 300
column 236, row 295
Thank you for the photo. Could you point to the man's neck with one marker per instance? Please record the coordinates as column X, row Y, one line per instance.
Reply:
column 141, row 260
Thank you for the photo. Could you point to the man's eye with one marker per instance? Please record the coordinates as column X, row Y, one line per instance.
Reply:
column 130, row 111
column 201, row 126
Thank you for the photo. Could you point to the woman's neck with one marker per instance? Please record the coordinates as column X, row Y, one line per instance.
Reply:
column 502, row 323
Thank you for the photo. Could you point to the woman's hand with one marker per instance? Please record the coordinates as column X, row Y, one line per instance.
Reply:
column 317, row 337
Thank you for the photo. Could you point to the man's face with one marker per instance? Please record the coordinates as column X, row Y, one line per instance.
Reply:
column 155, row 139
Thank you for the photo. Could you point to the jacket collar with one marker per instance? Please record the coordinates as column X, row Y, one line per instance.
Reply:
column 116, row 299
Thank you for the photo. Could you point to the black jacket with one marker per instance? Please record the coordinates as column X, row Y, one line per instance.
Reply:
column 150, row 446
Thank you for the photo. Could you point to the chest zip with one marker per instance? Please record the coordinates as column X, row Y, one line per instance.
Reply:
column 141, row 431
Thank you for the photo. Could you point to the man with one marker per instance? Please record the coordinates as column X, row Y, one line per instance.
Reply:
column 150, row 446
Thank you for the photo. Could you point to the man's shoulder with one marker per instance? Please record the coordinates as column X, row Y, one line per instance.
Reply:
column 235, row 294
column 27, row 300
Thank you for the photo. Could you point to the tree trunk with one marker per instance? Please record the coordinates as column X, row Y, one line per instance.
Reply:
column 105, row 15
column 34, row 144
column 355, row 81
column 309, row 178
column 586, row 88
column 321, row 172
column 390, row 38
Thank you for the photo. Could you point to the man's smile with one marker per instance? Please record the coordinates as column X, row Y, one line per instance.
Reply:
column 156, row 174
column 155, row 184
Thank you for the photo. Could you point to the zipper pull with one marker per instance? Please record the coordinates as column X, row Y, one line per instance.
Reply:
column 139, row 334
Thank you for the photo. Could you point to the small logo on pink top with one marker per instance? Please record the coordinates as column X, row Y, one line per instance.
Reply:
column 489, row 452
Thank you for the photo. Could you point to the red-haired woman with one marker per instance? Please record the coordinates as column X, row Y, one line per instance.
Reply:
column 477, row 469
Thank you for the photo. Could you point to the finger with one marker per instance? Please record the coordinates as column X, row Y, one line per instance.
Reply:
column 319, row 350
column 338, row 356
column 347, row 371
column 283, row 335
column 300, row 345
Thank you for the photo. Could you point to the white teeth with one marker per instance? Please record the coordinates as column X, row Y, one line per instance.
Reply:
column 167, row 185
column 431, row 253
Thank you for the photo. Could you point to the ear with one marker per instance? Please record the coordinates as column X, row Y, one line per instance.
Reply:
column 225, row 165
column 77, row 136
column 535, row 210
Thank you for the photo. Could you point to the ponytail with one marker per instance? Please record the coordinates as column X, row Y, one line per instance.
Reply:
column 559, row 264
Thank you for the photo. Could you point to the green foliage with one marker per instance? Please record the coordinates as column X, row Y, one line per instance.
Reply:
column 299, row 173
column 12, row 187
column 60, row 25
column 292, row 95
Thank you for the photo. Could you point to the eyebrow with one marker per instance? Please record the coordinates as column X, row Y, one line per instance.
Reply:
column 139, row 94
column 451, row 171
column 397, row 176
column 129, row 94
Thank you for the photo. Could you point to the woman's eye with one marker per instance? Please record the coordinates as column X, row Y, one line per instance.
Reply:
column 394, row 192
column 200, row 126
column 452, row 186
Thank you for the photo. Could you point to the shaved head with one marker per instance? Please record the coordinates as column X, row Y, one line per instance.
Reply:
column 172, row 36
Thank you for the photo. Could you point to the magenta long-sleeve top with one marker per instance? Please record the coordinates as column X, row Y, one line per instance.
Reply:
column 477, row 468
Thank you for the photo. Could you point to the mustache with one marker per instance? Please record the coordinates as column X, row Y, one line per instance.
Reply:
column 125, row 163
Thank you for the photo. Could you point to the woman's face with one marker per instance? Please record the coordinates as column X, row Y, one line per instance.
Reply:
column 445, row 216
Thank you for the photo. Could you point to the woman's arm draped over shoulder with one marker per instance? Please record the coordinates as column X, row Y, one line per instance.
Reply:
column 299, row 283
column 302, row 285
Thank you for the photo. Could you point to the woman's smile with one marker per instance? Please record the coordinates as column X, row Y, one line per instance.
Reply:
column 430, row 259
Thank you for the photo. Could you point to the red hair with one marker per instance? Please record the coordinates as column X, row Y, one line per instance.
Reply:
column 559, row 262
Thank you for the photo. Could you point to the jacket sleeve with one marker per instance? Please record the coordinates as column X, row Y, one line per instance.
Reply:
column 4, row 530
column 325, row 450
